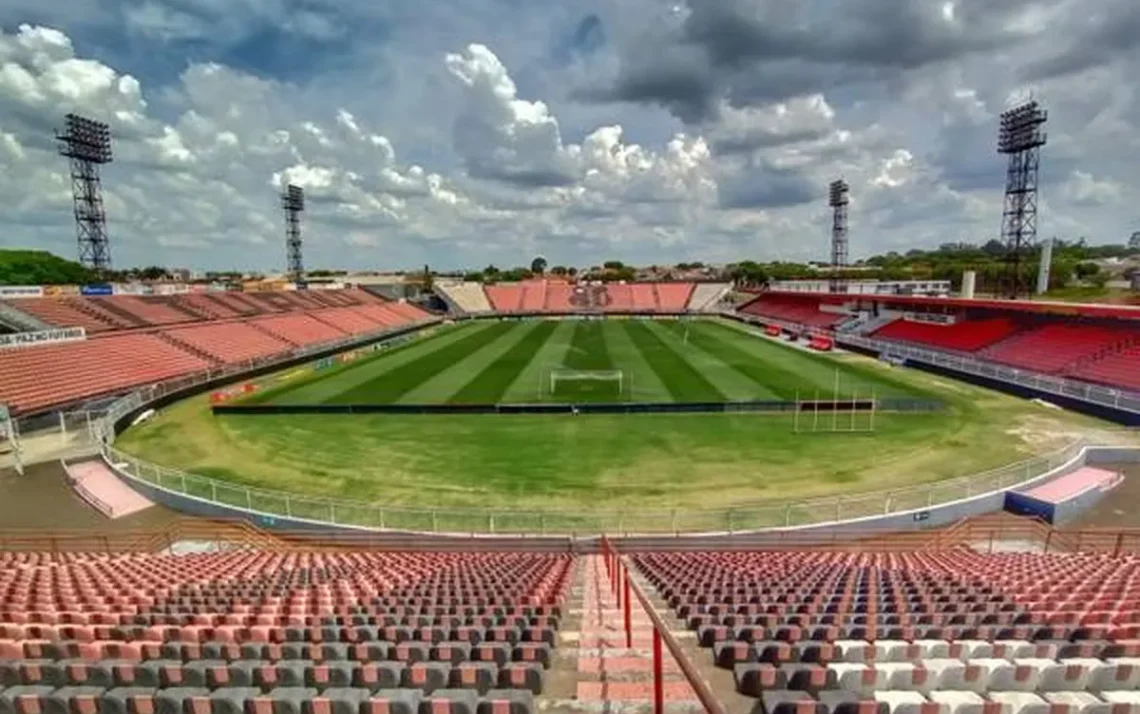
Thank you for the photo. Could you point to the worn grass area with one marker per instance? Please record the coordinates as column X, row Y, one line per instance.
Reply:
column 626, row 463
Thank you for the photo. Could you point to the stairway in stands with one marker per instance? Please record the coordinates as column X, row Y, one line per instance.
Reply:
column 606, row 674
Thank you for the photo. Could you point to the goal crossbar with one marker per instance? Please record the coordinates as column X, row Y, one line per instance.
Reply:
column 586, row 375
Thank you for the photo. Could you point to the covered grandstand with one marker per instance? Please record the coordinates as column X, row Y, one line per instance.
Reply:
column 1096, row 344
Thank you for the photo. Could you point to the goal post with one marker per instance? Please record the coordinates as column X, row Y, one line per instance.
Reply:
column 573, row 384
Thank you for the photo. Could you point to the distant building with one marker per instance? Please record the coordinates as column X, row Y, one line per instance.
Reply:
column 939, row 288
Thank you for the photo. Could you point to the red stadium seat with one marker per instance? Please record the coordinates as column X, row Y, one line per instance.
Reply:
column 962, row 336
column 39, row 377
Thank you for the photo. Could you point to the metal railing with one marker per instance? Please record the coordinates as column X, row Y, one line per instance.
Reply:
column 1092, row 393
column 623, row 587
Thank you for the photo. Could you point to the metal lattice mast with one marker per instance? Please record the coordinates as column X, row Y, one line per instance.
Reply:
column 87, row 143
column 293, row 201
column 837, row 199
column 1020, row 137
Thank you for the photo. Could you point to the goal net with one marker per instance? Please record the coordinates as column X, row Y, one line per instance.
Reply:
column 586, row 384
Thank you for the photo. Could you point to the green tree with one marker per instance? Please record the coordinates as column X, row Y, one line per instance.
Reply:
column 1086, row 271
column 38, row 267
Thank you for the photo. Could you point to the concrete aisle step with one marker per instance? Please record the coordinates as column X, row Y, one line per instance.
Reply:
column 611, row 675
column 719, row 680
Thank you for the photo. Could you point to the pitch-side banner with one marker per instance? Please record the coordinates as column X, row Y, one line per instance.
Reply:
column 21, row 291
column 43, row 337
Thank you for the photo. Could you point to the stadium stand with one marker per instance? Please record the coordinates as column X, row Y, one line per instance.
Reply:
column 228, row 342
column 384, row 315
column 961, row 336
column 206, row 333
column 706, row 296
column 204, row 306
column 558, row 295
column 467, row 296
column 408, row 311
column 620, row 297
column 910, row 633
column 802, row 310
column 299, row 329
column 1120, row 369
column 234, row 302
column 533, row 295
column 38, row 377
column 1052, row 347
column 505, row 297
column 154, row 310
column 673, row 297
column 347, row 320
column 643, row 297
column 253, row 632
column 63, row 312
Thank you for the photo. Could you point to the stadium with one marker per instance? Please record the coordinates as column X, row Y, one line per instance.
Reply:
column 717, row 488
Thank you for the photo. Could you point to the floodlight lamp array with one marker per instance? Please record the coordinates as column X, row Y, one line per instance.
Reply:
column 294, row 198
column 837, row 193
column 86, row 139
column 1020, row 128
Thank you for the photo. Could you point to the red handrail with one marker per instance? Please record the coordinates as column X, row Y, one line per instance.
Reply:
column 619, row 567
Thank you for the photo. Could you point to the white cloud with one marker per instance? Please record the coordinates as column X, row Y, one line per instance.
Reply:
column 1085, row 190
column 417, row 146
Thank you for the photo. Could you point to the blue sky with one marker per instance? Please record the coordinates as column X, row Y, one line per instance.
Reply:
column 488, row 131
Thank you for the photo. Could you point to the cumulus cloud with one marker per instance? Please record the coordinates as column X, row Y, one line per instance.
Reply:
column 644, row 131
column 209, row 176
column 519, row 142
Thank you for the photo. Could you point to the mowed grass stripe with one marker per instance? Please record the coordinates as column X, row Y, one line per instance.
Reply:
column 440, row 388
column 528, row 386
column 324, row 384
column 588, row 351
column 684, row 382
column 588, row 347
column 732, row 384
column 813, row 371
column 397, row 382
column 644, row 384
column 775, row 382
column 490, row 384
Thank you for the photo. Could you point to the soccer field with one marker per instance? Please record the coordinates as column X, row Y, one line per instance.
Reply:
column 517, row 362
column 597, row 470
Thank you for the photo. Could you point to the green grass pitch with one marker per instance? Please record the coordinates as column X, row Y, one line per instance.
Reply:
column 577, row 469
column 632, row 360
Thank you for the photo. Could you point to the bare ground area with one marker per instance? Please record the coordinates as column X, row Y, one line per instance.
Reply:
column 1120, row 508
column 42, row 499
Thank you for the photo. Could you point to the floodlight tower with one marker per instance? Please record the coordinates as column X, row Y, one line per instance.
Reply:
column 293, row 201
column 1020, row 137
column 837, row 199
column 87, row 143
